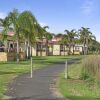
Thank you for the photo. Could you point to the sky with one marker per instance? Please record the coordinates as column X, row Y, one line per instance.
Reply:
column 59, row 14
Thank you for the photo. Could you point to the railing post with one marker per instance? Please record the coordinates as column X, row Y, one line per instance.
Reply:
column 66, row 70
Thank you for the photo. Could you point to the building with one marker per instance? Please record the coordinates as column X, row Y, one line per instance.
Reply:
column 54, row 48
column 42, row 47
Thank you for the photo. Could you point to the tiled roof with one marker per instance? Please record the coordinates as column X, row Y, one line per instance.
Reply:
column 10, row 33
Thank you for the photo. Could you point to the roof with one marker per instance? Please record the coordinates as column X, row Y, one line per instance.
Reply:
column 11, row 33
column 80, row 45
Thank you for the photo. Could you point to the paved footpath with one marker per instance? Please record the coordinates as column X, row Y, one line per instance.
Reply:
column 37, row 88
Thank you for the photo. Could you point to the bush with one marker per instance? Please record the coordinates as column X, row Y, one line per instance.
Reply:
column 91, row 68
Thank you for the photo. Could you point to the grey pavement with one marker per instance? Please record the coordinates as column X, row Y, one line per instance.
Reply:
column 38, row 87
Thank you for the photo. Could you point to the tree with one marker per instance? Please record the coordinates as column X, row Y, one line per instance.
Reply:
column 59, row 38
column 94, row 47
column 5, row 23
column 40, row 36
column 28, row 22
column 48, row 37
column 59, row 35
column 64, row 41
column 85, row 37
column 71, row 39
column 13, row 16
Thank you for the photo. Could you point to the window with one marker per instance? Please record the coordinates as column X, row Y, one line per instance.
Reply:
column 77, row 48
column 38, row 47
column 11, row 45
column 41, row 47
column 61, row 48
column 1, row 47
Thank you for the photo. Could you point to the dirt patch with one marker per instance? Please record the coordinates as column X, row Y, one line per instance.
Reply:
column 54, row 89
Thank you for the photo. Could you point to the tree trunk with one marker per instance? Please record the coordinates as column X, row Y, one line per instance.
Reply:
column 25, row 49
column 73, row 49
column 47, row 47
column 64, row 50
column 69, row 49
column 37, row 49
column 17, row 50
column 84, row 49
column 87, row 47
column 60, row 50
column 41, row 49
column 28, row 49
column 52, row 49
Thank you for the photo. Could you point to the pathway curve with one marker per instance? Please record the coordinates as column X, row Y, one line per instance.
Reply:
column 38, row 87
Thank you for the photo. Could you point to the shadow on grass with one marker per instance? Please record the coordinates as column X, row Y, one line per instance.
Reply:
column 4, row 72
column 82, row 98
column 41, row 59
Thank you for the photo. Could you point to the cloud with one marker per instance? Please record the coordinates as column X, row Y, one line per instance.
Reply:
column 88, row 7
column 2, row 15
column 43, row 24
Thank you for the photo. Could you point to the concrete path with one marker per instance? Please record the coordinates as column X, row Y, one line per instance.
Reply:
column 39, row 87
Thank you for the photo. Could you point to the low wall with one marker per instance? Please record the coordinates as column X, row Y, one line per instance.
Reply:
column 64, row 53
column 77, row 53
column 11, row 56
column 3, row 56
column 43, row 53
column 7, row 56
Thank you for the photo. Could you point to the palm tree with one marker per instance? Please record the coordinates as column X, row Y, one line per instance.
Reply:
column 40, row 35
column 85, row 37
column 59, row 36
column 48, row 37
column 28, row 22
column 74, row 38
column 5, row 23
column 13, row 16
column 71, row 39
column 64, row 42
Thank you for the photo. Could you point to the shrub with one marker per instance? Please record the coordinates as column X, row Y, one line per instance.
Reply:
column 91, row 68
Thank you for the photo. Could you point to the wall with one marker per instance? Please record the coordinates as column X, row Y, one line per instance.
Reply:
column 3, row 56
column 7, row 56
column 64, row 53
column 56, row 49
column 11, row 56
column 34, row 50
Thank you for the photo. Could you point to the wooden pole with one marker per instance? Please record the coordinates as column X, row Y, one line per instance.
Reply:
column 31, row 74
column 66, row 70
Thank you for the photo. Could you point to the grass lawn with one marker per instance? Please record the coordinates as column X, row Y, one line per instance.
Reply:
column 9, row 70
column 76, row 89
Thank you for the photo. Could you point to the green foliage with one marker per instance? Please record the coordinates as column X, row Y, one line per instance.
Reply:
column 6, row 24
column 94, row 47
column 27, row 23
column 86, row 37
column 91, row 68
